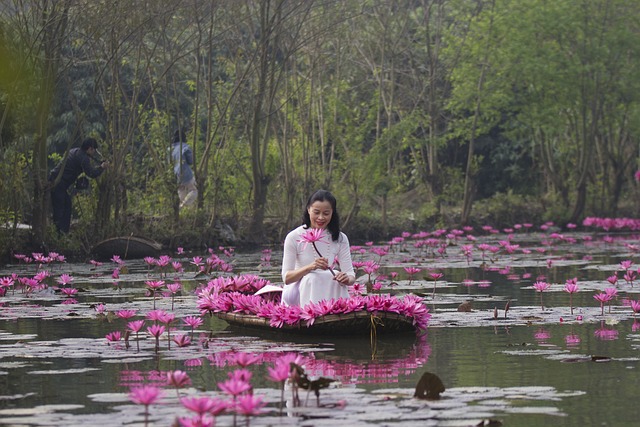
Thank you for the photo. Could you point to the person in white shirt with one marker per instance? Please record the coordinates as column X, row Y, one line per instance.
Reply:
column 321, row 270
column 182, row 158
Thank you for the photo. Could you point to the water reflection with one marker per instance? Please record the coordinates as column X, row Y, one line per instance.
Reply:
column 53, row 348
column 502, row 357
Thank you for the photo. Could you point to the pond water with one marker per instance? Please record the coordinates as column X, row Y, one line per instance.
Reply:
column 534, row 364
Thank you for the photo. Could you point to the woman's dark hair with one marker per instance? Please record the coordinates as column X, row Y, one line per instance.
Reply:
column 334, row 224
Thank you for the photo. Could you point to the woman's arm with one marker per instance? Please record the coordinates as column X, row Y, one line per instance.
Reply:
column 290, row 273
column 295, row 275
column 347, row 275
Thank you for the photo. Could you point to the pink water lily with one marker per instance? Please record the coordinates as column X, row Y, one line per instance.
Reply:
column 612, row 292
column 69, row 292
column 313, row 235
column 246, row 359
column 240, row 375
column 602, row 298
column 571, row 288
column 114, row 336
column 630, row 276
column 174, row 288
column 194, row 322
column 203, row 405
column 178, row 379
column 635, row 306
column 412, row 271
column 541, row 286
column 197, row 261
column 356, row 289
column 234, row 387
column 167, row 318
column 65, row 279
column 154, row 286
column 249, row 405
column 125, row 314
column 279, row 372
column 135, row 325
column 156, row 315
column 626, row 264
column 145, row 395
column 116, row 259
column 309, row 313
column 435, row 276
column 42, row 275
column 326, row 306
column 156, row 330
column 182, row 340
column 277, row 318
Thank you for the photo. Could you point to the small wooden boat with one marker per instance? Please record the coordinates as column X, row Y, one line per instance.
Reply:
column 126, row 247
column 355, row 323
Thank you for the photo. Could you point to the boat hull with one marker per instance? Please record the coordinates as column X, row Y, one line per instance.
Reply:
column 127, row 247
column 356, row 323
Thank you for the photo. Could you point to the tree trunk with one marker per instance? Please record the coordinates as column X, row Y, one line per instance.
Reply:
column 54, row 26
column 469, row 184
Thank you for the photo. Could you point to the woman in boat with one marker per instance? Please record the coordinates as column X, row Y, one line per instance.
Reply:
column 317, row 268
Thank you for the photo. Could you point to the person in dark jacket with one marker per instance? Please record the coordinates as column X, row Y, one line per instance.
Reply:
column 78, row 162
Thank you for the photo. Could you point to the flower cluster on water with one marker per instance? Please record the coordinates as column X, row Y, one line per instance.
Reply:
column 612, row 223
column 231, row 295
column 205, row 408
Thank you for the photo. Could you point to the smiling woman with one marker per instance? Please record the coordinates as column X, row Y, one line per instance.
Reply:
column 307, row 275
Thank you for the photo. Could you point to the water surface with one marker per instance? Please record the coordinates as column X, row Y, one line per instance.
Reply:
column 541, row 364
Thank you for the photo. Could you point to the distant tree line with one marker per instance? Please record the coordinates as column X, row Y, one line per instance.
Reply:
column 414, row 113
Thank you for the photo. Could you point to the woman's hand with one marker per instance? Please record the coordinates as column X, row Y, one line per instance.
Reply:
column 295, row 275
column 320, row 264
column 342, row 278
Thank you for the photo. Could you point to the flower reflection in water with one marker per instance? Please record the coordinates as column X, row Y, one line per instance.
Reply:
column 606, row 334
column 193, row 363
column 349, row 366
column 572, row 340
column 542, row 335
column 355, row 368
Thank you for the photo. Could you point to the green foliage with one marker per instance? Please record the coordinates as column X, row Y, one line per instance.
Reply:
column 14, row 185
column 509, row 208
column 375, row 102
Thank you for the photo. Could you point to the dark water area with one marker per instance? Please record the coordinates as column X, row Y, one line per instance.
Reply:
column 534, row 364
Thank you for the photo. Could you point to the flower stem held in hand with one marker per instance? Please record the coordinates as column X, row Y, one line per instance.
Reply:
column 320, row 255
column 312, row 236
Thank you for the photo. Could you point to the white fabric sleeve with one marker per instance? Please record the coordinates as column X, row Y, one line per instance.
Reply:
column 344, row 256
column 289, row 254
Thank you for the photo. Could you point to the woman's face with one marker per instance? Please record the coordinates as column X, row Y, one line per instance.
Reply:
column 320, row 213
